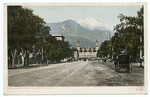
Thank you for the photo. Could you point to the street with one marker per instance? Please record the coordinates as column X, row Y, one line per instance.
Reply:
column 77, row 73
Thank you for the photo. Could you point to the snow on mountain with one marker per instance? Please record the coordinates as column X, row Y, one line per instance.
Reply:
column 93, row 24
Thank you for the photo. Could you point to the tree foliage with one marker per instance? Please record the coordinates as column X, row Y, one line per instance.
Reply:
column 56, row 50
column 27, row 34
column 127, row 35
column 23, row 27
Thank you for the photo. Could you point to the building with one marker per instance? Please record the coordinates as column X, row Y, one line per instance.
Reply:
column 82, row 53
column 59, row 37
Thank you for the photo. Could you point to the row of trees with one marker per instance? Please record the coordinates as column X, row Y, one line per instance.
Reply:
column 27, row 34
column 56, row 50
column 127, row 37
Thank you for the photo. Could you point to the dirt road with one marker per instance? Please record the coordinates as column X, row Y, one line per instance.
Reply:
column 78, row 73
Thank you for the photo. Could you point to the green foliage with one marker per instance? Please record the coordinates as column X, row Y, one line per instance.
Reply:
column 105, row 48
column 25, row 30
column 127, row 36
column 40, row 37
column 66, row 51
column 23, row 26
column 56, row 50
column 50, row 47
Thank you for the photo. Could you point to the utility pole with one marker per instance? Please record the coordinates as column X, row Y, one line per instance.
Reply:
column 109, row 36
column 141, row 46
column 106, row 38
column 42, row 55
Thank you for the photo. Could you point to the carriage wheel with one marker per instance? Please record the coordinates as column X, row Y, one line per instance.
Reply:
column 118, row 69
column 131, row 69
column 127, row 69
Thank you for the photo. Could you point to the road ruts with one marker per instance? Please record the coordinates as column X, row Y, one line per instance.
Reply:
column 78, row 73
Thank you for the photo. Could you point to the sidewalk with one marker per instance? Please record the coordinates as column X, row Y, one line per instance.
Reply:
column 134, row 64
column 36, row 65
column 137, row 65
column 30, row 66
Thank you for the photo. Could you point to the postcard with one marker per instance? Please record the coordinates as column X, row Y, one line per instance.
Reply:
column 75, row 48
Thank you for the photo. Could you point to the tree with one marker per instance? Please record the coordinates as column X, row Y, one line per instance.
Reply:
column 127, row 36
column 105, row 48
column 130, row 29
column 23, row 26
column 52, row 48
column 56, row 50
column 66, row 51
column 38, row 47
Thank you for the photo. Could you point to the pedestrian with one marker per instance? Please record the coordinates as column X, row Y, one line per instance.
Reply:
column 105, row 60
column 116, row 61
column 141, row 61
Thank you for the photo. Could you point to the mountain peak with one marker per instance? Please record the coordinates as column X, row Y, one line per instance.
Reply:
column 68, row 21
column 90, row 20
column 93, row 24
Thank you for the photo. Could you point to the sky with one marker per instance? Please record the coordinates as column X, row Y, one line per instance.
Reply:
column 102, row 13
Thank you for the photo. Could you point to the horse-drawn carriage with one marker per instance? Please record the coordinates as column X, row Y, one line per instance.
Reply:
column 122, row 61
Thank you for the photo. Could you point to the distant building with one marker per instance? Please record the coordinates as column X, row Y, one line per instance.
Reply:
column 88, row 53
column 75, row 53
column 59, row 37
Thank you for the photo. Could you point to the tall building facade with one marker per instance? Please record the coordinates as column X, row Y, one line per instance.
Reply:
column 86, row 52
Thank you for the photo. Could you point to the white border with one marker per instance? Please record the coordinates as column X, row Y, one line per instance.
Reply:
column 53, row 90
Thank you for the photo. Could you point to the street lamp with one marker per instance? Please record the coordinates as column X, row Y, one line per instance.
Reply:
column 102, row 54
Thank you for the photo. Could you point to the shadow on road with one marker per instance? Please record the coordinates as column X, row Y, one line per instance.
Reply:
column 37, row 65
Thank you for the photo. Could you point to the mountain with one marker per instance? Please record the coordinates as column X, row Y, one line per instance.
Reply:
column 93, row 24
column 83, row 41
column 74, row 31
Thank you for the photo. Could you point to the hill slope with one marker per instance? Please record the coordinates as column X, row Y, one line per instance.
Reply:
column 75, row 31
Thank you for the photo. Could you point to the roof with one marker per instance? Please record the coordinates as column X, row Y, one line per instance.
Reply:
column 58, row 35
column 84, row 49
column 75, row 49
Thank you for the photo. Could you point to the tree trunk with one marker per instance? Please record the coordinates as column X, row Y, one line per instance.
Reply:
column 22, row 57
column 25, row 61
column 27, row 58
column 18, row 60
column 37, row 62
column 13, row 62
column 10, row 60
column 13, row 59
column 37, row 59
